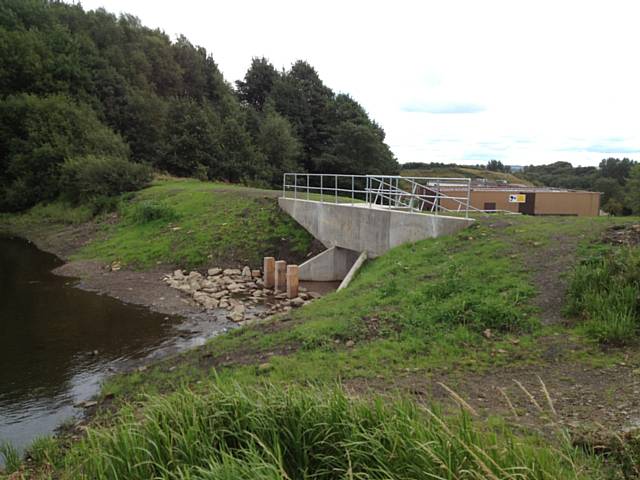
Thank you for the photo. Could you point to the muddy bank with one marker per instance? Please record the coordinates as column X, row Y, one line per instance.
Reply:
column 145, row 288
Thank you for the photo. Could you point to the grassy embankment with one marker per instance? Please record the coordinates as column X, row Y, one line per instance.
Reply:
column 418, row 314
column 459, row 171
column 183, row 223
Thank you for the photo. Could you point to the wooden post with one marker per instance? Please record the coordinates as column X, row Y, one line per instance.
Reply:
column 281, row 276
column 269, row 272
column 292, row 281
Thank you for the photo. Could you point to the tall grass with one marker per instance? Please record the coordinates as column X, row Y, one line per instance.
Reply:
column 270, row 433
column 11, row 457
column 604, row 291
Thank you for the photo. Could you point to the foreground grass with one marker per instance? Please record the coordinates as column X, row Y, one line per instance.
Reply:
column 236, row 432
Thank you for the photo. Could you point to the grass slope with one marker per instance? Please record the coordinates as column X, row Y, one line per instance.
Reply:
column 459, row 171
column 426, row 312
column 185, row 223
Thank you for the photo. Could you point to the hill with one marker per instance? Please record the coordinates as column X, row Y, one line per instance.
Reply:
column 454, row 171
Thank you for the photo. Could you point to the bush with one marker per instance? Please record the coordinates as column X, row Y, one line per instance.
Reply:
column 604, row 292
column 89, row 177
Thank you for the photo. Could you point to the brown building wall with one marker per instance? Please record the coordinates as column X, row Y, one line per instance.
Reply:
column 546, row 203
column 583, row 204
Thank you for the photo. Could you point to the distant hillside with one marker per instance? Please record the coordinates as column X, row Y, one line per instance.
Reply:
column 459, row 171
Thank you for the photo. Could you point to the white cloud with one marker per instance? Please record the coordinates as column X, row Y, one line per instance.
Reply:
column 540, row 73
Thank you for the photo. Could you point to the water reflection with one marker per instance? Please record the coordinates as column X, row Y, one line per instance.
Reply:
column 58, row 342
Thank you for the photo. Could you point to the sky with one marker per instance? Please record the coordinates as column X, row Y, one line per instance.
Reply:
column 523, row 82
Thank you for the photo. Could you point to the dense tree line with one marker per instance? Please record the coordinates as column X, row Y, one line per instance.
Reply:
column 80, row 88
column 617, row 179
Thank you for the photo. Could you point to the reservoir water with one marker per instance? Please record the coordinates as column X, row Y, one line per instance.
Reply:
column 58, row 342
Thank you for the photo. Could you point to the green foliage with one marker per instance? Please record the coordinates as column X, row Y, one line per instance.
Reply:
column 45, row 451
column 272, row 433
column 605, row 293
column 633, row 190
column 11, row 456
column 497, row 166
column 76, row 83
column 89, row 177
column 281, row 148
column 37, row 134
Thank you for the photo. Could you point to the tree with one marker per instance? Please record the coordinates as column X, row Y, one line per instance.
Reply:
column 258, row 83
column 633, row 189
column 193, row 139
column 36, row 135
column 496, row 166
column 616, row 168
column 610, row 189
column 279, row 145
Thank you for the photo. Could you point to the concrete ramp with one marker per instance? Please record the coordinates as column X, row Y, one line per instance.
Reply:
column 368, row 228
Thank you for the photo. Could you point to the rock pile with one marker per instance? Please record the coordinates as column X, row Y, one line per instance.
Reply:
column 240, row 292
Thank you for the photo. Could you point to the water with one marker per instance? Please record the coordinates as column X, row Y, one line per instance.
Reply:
column 58, row 342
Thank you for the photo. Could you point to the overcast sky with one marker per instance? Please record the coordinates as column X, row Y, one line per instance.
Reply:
column 450, row 81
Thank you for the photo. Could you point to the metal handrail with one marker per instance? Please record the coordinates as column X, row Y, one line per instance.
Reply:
column 413, row 194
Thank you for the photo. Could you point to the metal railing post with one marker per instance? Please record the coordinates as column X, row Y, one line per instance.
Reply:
column 336, row 188
column 295, row 187
column 321, row 187
column 353, row 189
column 307, row 186
column 468, row 197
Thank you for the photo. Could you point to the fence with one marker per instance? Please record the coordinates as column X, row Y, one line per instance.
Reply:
column 412, row 194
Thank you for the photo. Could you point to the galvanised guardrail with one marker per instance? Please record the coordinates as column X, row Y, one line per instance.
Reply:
column 411, row 194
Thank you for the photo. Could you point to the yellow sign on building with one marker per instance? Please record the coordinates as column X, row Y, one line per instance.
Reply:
column 517, row 198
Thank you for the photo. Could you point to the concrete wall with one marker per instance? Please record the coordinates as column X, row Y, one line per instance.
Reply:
column 331, row 265
column 361, row 228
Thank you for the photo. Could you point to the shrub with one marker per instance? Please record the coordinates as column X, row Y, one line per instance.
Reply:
column 604, row 292
column 88, row 177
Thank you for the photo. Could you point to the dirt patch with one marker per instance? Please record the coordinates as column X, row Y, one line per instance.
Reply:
column 549, row 265
column 140, row 288
column 569, row 394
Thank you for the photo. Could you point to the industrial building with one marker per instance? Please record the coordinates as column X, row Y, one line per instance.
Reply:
column 528, row 200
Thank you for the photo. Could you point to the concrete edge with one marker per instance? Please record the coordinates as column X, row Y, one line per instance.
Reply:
column 362, row 205
column 354, row 269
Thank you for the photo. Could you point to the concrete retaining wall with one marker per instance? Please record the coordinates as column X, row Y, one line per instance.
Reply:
column 331, row 265
column 361, row 228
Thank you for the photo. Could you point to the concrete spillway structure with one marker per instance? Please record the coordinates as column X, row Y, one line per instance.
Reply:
column 348, row 230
